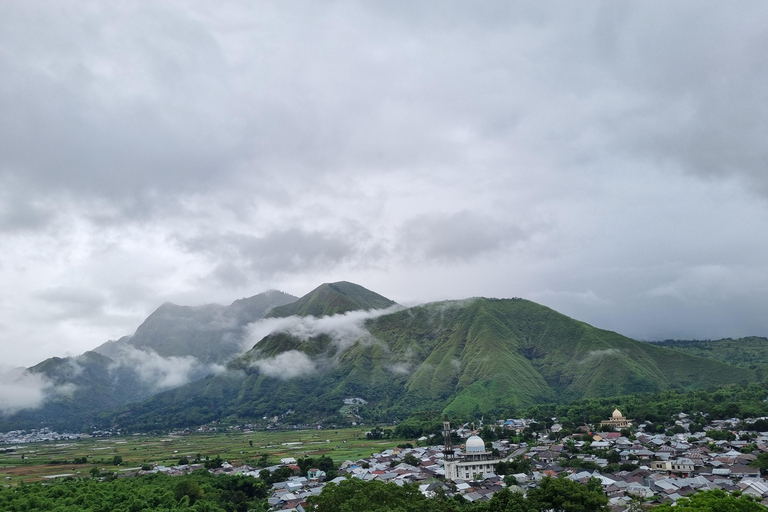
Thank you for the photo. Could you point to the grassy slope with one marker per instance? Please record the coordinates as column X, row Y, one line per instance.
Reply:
column 465, row 357
column 492, row 354
column 750, row 352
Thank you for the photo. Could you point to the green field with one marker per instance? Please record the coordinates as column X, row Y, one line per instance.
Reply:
column 40, row 459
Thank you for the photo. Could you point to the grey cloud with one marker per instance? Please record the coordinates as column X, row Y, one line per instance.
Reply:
column 20, row 214
column 460, row 236
column 105, row 97
column 697, row 87
column 73, row 302
column 277, row 252
column 192, row 151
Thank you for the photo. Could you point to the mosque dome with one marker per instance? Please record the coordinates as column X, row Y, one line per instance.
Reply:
column 475, row 444
column 617, row 415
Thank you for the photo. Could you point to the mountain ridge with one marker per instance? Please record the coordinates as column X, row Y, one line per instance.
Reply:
column 459, row 358
column 462, row 358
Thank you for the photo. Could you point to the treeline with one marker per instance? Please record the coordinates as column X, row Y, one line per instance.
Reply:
column 558, row 494
column 731, row 401
column 202, row 491
column 198, row 491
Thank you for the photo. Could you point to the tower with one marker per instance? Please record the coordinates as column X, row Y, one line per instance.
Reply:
column 448, row 445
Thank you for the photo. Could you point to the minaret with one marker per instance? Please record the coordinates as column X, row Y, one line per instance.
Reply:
column 448, row 445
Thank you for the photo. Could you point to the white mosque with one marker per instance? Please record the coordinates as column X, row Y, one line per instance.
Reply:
column 473, row 460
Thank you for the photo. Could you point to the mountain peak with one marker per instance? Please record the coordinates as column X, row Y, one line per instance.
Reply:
column 333, row 298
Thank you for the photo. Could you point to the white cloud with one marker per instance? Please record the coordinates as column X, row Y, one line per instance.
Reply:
column 344, row 329
column 163, row 372
column 22, row 390
column 287, row 365
column 599, row 354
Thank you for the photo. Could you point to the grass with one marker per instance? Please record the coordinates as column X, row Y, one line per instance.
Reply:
column 340, row 445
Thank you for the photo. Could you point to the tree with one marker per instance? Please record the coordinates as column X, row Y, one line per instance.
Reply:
column 563, row 495
column 510, row 480
column 761, row 462
column 713, row 500
column 183, row 461
column 214, row 463
column 508, row 501
column 117, row 460
column 411, row 460
column 188, row 488
column 355, row 495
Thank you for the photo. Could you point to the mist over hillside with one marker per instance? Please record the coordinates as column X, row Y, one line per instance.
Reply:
column 273, row 353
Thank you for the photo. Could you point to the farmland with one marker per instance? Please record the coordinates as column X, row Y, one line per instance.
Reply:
column 37, row 461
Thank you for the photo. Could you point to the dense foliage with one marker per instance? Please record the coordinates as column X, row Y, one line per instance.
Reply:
column 733, row 401
column 750, row 352
column 199, row 491
column 558, row 494
column 714, row 500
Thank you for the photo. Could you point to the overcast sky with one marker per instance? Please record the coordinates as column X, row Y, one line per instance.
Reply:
column 606, row 159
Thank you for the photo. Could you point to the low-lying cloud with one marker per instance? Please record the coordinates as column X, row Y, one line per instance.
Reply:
column 163, row 372
column 20, row 389
column 344, row 330
column 597, row 354
column 287, row 365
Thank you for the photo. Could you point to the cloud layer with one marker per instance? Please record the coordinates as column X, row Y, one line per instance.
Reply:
column 605, row 159
column 344, row 330
column 24, row 390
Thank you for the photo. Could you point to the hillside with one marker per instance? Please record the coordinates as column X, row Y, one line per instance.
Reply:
column 211, row 333
column 750, row 352
column 463, row 358
column 174, row 345
column 332, row 299
column 83, row 386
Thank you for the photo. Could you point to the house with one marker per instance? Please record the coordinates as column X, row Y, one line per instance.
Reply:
column 316, row 475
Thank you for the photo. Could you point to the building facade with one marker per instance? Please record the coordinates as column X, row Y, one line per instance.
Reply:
column 474, row 460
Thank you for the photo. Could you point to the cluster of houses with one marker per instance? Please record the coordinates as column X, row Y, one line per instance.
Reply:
column 36, row 436
column 655, row 468
column 658, row 467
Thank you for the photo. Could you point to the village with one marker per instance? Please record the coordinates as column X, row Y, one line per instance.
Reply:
column 37, row 436
column 648, row 467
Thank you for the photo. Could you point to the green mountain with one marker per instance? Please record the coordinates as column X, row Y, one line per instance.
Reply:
column 174, row 345
column 750, row 352
column 211, row 333
column 462, row 358
column 332, row 299
column 81, row 387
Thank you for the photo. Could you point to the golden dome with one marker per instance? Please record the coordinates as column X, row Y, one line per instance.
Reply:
column 617, row 414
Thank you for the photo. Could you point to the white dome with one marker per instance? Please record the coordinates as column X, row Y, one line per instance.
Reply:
column 475, row 445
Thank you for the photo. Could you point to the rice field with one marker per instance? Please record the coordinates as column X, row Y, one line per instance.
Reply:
column 37, row 461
